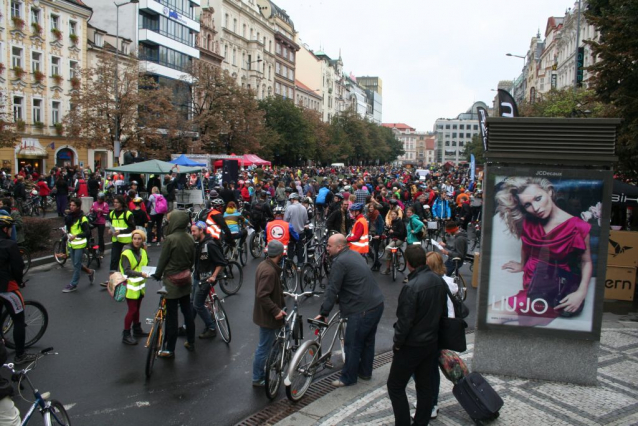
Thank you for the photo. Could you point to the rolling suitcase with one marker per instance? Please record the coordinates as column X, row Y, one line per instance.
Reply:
column 478, row 398
column 452, row 366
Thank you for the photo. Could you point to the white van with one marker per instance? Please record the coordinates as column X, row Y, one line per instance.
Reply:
column 337, row 165
column 422, row 173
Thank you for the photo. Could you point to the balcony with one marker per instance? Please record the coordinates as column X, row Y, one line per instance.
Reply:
column 164, row 69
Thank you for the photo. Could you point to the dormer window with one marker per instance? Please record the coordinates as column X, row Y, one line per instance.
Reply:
column 99, row 40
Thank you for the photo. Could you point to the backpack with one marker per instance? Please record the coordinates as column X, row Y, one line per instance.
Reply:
column 161, row 206
column 257, row 213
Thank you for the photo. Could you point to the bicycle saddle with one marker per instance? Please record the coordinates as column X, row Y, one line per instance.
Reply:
column 456, row 259
column 317, row 323
column 162, row 291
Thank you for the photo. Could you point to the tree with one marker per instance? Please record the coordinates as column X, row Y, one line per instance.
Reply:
column 615, row 77
column 475, row 147
column 294, row 141
column 8, row 135
column 567, row 103
column 144, row 113
column 226, row 116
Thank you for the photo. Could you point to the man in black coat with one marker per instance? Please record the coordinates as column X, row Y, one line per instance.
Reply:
column 422, row 303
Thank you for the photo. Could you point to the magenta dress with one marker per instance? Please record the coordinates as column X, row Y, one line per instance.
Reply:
column 560, row 246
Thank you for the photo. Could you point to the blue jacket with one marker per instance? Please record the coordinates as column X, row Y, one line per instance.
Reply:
column 321, row 197
column 441, row 209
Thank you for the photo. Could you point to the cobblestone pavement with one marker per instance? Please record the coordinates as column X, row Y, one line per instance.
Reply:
column 527, row 402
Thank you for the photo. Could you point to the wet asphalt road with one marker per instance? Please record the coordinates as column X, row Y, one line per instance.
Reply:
column 102, row 381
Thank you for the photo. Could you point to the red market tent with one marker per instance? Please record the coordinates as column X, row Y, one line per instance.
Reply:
column 244, row 161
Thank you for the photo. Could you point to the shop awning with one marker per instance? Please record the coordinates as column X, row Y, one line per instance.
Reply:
column 31, row 152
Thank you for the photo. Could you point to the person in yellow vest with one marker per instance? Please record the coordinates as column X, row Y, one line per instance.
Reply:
column 78, row 232
column 358, row 238
column 280, row 230
column 133, row 259
column 121, row 226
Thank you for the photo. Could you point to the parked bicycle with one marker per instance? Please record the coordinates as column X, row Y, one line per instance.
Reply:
column 288, row 340
column 155, row 340
column 53, row 412
column 311, row 357
column 32, row 206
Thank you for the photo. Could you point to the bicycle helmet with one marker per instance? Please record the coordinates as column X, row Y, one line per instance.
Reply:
column 339, row 196
column 6, row 221
column 217, row 202
column 294, row 196
column 278, row 210
column 213, row 194
column 288, row 189
column 100, row 196
column 356, row 207
column 393, row 201
column 137, row 200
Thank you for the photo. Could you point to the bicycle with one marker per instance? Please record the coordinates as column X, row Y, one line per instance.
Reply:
column 316, row 267
column 256, row 242
column 458, row 279
column 288, row 340
column 91, row 254
column 155, row 339
column 60, row 252
column 52, row 410
column 476, row 241
column 231, row 278
column 310, row 358
column 214, row 305
column 397, row 260
column 237, row 252
column 288, row 274
column 32, row 207
column 26, row 259
column 36, row 321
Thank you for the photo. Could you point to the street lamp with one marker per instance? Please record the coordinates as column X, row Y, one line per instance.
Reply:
column 116, row 147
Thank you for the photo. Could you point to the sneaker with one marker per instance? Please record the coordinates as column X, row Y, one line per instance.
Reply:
column 386, row 272
column 104, row 284
column 25, row 358
column 435, row 412
column 165, row 354
column 366, row 378
column 259, row 383
column 337, row 383
column 405, row 280
column 69, row 288
column 208, row 334
column 190, row 347
column 92, row 276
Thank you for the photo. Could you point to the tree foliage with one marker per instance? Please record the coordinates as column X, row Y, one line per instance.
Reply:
column 567, row 103
column 616, row 71
column 144, row 113
column 475, row 147
column 226, row 116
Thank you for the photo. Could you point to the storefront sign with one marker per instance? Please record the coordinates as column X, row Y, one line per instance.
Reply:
column 173, row 14
column 544, row 227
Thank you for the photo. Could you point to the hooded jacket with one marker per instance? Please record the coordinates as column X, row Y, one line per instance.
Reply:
column 178, row 252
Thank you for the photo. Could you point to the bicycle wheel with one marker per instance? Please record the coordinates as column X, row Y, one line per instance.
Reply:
column 59, row 248
column 302, row 372
column 36, row 321
column 400, row 261
column 462, row 293
column 221, row 319
column 290, row 277
column 393, row 267
column 26, row 258
column 232, row 278
column 154, row 345
column 56, row 414
column 243, row 254
column 308, row 277
column 274, row 368
column 256, row 245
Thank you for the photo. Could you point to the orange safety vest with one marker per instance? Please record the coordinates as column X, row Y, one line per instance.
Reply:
column 461, row 198
column 278, row 230
column 360, row 246
column 213, row 229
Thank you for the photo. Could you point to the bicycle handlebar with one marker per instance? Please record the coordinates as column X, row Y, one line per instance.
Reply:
column 305, row 293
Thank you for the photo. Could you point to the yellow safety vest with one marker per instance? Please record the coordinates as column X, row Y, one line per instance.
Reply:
column 76, row 229
column 119, row 223
column 135, row 286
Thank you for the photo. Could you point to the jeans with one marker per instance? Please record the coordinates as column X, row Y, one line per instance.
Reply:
column 200, row 292
column 61, row 201
column 407, row 361
column 359, row 344
column 436, row 379
column 172, row 321
column 374, row 244
column 267, row 337
column 450, row 265
column 100, row 237
column 76, row 258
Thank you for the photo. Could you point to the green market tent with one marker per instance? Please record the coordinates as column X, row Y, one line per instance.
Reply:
column 154, row 167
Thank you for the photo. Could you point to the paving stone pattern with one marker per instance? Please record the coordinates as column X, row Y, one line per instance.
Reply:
column 529, row 402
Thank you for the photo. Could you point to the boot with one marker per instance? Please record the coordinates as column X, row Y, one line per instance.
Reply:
column 127, row 338
column 137, row 330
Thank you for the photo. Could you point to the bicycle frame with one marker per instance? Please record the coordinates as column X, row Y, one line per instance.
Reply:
column 160, row 315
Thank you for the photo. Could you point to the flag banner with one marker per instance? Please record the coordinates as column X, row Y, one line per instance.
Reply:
column 506, row 104
column 472, row 168
column 482, row 113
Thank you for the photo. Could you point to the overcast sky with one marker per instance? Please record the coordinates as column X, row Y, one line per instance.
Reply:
column 435, row 57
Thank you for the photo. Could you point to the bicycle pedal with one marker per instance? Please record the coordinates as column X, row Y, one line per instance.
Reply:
column 329, row 364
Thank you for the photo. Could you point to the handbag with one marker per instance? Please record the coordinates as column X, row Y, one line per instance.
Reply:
column 452, row 334
column 117, row 286
column 552, row 284
column 180, row 279
column 460, row 309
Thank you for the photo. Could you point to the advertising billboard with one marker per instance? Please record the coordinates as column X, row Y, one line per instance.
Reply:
column 545, row 240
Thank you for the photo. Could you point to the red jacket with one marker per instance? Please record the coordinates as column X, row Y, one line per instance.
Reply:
column 43, row 188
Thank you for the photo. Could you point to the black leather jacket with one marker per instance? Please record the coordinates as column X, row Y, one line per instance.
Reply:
column 422, row 303
column 208, row 256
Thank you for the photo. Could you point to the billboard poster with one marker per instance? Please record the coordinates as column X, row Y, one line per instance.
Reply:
column 546, row 233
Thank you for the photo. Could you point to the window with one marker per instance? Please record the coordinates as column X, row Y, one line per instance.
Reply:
column 454, row 126
column 98, row 40
column 447, row 127
column 475, row 127
column 468, row 135
column 292, row 56
column 250, row 62
column 453, row 135
column 439, row 127
column 269, row 44
column 453, row 143
column 36, row 62
column 55, row 22
column 447, row 143
column 17, row 108
column 251, row 33
column 16, row 9
column 292, row 75
column 35, row 16
column 226, row 51
column 461, row 143
column 462, row 126
column 278, row 47
column 73, row 69
column 243, row 60
column 234, row 56
column 277, row 68
column 16, row 57
column 73, row 27
column 235, row 26
column 269, row 72
column 36, row 111
column 285, row 53
column 243, row 31
column 55, row 65
column 55, row 112
column 226, row 21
